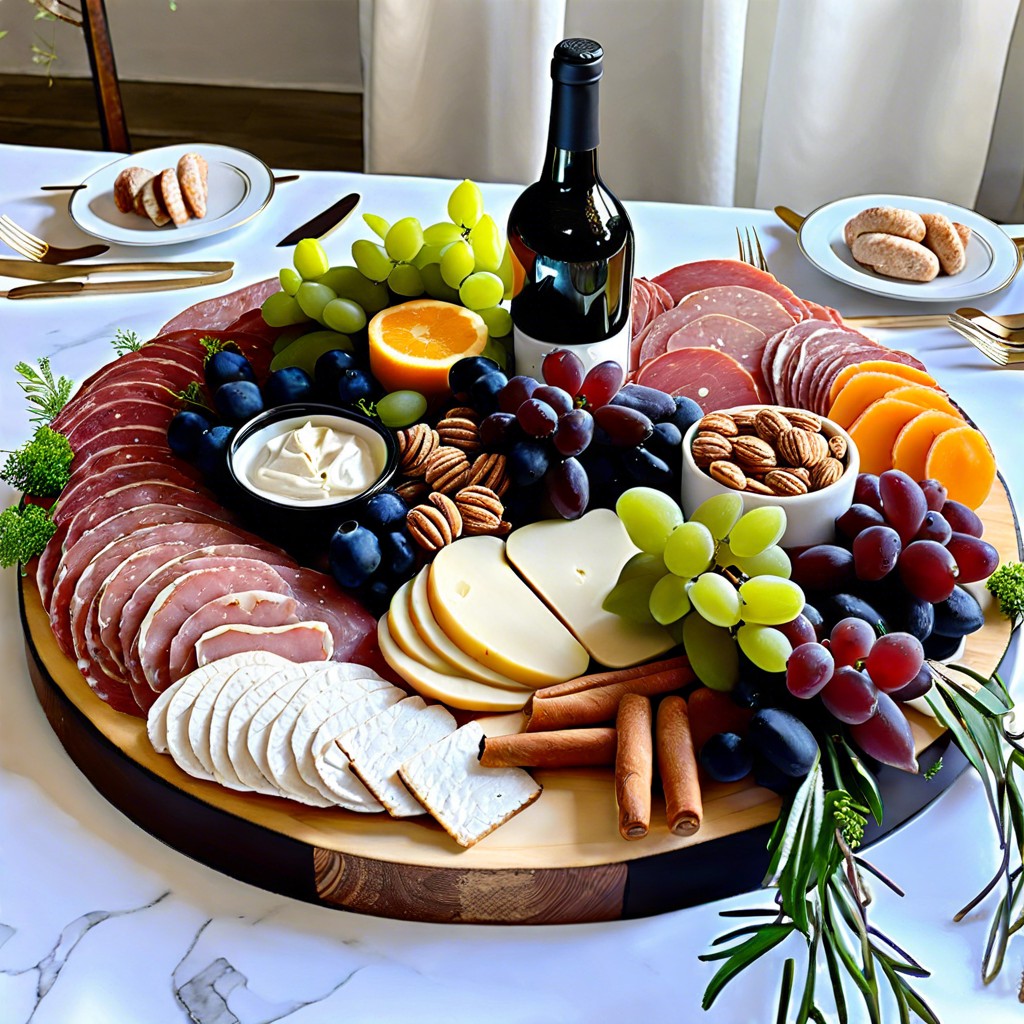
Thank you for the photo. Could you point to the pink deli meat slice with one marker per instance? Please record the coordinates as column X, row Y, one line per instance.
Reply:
column 778, row 349
column 124, row 412
column 298, row 642
column 692, row 277
column 640, row 307
column 818, row 350
column 116, row 437
column 710, row 378
column 223, row 310
column 107, row 458
column 247, row 608
column 727, row 334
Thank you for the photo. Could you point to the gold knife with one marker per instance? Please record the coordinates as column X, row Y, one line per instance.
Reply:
column 56, row 289
column 32, row 271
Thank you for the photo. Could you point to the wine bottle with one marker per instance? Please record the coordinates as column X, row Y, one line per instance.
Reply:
column 570, row 235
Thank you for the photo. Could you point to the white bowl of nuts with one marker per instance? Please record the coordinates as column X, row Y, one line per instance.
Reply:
column 776, row 456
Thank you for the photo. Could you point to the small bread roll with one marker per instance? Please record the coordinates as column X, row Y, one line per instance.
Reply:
column 964, row 232
column 152, row 205
column 894, row 256
column 192, row 175
column 943, row 240
column 887, row 220
column 170, row 193
column 127, row 185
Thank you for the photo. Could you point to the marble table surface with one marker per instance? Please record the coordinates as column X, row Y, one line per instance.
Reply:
column 101, row 922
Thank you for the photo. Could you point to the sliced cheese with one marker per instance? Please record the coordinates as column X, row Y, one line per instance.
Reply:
column 469, row 800
column 405, row 634
column 573, row 565
column 453, row 690
column 492, row 615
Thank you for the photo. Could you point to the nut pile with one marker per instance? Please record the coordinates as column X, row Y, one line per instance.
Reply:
column 772, row 451
column 453, row 488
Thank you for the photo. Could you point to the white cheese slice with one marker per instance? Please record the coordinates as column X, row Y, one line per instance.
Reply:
column 156, row 719
column 178, row 711
column 469, row 800
column 404, row 633
column 454, row 690
column 491, row 614
column 573, row 565
column 381, row 744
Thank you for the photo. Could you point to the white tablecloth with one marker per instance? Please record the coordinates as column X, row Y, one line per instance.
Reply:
column 101, row 922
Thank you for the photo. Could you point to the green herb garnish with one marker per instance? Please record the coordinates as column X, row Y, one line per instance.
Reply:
column 1007, row 586
column 46, row 395
column 215, row 345
column 24, row 533
column 42, row 466
column 125, row 342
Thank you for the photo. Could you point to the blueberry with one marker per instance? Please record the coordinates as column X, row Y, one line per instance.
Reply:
column 463, row 373
column 726, row 757
column 353, row 385
column 687, row 413
column 665, row 440
column 527, row 462
column 385, row 511
column 292, row 384
column 185, row 431
column 354, row 554
column 238, row 401
column 329, row 368
column 483, row 392
column 784, row 740
column 645, row 467
column 211, row 452
column 398, row 556
column 224, row 367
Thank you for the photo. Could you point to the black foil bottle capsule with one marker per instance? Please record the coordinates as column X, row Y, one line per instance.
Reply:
column 569, row 233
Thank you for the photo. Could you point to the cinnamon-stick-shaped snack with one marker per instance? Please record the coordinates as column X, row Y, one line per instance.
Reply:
column 677, row 766
column 599, row 704
column 634, row 766
column 615, row 675
column 568, row 748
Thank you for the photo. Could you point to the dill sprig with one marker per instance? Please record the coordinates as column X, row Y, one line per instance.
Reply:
column 125, row 342
column 46, row 395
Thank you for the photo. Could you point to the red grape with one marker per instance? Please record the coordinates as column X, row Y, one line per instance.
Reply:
column 537, row 418
column 917, row 687
column 894, row 661
column 601, row 383
column 823, row 567
column 887, row 736
column 626, row 427
column 563, row 369
column 809, row 668
column 574, row 432
column 903, row 503
column 850, row 696
column 799, row 631
column 975, row 558
column 875, row 551
column 962, row 518
column 559, row 399
column 851, row 639
column 865, row 491
column 515, row 392
column 499, row 429
column 568, row 488
column 928, row 570
column 934, row 528
column 934, row 493
column 857, row 518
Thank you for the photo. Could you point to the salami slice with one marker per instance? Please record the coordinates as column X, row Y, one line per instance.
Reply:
column 123, row 412
column 727, row 334
column 711, row 378
column 223, row 310
column 692, row 277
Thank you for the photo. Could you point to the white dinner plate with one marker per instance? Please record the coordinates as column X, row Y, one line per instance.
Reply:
column 240, row 186
column 992, row 257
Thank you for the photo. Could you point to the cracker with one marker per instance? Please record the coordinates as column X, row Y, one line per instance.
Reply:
column 192, row 180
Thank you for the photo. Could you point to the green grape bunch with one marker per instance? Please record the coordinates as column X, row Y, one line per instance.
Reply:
column 721, row 572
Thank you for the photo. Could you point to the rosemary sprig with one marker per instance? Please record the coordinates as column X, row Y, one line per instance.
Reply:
column 46, row 396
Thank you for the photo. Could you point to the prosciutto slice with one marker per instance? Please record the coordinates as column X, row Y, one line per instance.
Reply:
column 119, row 437
column 299, row 642
column 123, row 388
column 107, row 458
column 119, row 413
column 224, row 310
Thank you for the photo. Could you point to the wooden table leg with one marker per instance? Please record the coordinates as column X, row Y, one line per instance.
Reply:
column 104, row 76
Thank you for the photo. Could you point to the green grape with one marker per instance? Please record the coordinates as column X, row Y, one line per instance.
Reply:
column 505, row 271
column 767, row 648
column 288, row 335
column 306, row 350
column 401, row 408
column 442, row 233
column 371, row 259
column 772, row 561
column 343, row 315
column 649, row 517
column 485, row 238
column 642, row 564
column 669, row 601
column 281, row 310
column 378, row 225
column 466, row 204
column 771, row 600
column 714, row 597
column 310, row 259
column 457, row 263
column 481, row 290
column 290, row 280
column 499, row 350
column 404, row 239
column 349, row 283
column 312, row 298
column 498, row 320
column 435, row 285
column 758, row 529
column 689, row 550
column 631, row 599
column 405, row 280
column 712, row 653
column 719, row 514
column 427, row 255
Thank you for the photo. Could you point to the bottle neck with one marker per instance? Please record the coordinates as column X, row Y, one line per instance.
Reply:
column 573, row 134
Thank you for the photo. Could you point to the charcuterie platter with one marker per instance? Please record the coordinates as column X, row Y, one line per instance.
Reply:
column 385, row 627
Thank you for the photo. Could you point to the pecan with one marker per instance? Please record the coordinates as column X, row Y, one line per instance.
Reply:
column 447, row 469
column 837, row 445
column 826, row 473
column 728, row 473
column 721, row 423
column 709, row 447
column 449, row 510
column 415, row 446
column 463, row 412
column 801, row 471
column 769, row 423
column 744, row 420
column 489, row 470
column 802, row 448
column 754, row 452
column 412, row 490
column 429, row 527
column 459, row 432
column 757, row 487
column 783, row 483
column 803, row 419
column 481, row 509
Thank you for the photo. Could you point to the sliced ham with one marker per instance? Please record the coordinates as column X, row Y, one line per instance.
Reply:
column 122, row 412
column 692, row 277
column 299, row 642
column 727, row 334
column 778, row 349
column 247, row 608
column 223, row 310
column 711, row 378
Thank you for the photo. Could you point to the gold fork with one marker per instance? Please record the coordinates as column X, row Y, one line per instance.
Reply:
column 34, row 248
column 750, row 249
column 987, row 344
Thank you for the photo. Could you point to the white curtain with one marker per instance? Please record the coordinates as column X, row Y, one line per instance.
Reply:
column 728, row 102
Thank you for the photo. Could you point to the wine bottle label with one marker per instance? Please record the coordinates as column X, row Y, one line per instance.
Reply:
column 530, row 353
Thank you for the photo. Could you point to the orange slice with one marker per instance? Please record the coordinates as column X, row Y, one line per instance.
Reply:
column 413, row 345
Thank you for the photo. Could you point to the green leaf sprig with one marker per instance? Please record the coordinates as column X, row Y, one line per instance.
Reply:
column 24, row 533
column 40, row 467
column 46, row 395
column 125, row 342
column 215, row 345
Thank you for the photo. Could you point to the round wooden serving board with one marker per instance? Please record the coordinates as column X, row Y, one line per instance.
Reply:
column 559, row 861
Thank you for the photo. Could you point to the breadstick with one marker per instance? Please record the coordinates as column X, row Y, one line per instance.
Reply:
column 634, row 768
column 589, row 707
column 889, row 220
column 618, row 675
column 677, row 766
column 569, row 748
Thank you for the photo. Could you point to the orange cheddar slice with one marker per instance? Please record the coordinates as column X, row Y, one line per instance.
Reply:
column 875, row 431
column 963, row 461
column 926, row 397
column 910, row 450
column 910, row 373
